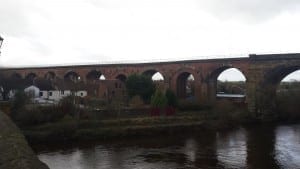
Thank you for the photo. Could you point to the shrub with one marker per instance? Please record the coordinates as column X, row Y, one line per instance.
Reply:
column 159, row 100
column 67, row 105
column 140, row 85
column 96, row 102
column 136, row 102
column 288, row 105
column 172, row 99
column 227, row 112
column 38, row 115
column 18, row 103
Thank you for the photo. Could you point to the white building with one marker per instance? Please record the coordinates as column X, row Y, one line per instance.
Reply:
column 46, row 93
column 32, row 91
column 57, row 95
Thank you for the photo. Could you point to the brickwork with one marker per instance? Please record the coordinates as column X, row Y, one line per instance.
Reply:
column 259, row 71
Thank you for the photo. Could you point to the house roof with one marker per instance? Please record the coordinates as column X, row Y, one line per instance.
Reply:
column 68, row 85
column 43, row 84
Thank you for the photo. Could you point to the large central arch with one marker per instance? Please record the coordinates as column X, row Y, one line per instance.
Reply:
column 212, row 80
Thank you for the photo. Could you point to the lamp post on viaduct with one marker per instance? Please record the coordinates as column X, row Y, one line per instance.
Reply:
column 262, row 72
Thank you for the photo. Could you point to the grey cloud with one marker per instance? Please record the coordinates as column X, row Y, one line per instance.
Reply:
column 16, row 17
column 39, row 46
column 249, row 10
column 15, row 22
column 13, row 18
column 91, row 56
column 105, row 4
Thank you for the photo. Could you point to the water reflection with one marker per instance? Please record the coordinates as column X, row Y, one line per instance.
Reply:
column 287, row 146
column 190, row 149
column 206, row 152
column 232, row 149
column 252, row 148
column 260, row 147
column 68, row 159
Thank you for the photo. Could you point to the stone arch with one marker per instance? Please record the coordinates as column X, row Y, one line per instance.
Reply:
column 30, row 76
column 231, row 84
column 121, row 77
column 185, row 85
column 292, row 77
column 152, row 72
column 102, row 77
column 72, row 76
column 266, row 99
column 275, row 75
column 149, row 72
column 16, row 75
column 216, row 72
column 158, row 77
column 288, row 95
column 93, row 75
column 212, row 80
column 50, row 75
column 180, row 81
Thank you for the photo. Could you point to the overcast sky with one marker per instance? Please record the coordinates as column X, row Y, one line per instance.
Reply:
column 42, row 32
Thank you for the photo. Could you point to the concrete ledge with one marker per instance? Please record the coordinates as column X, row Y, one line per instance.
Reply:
column 15, row 152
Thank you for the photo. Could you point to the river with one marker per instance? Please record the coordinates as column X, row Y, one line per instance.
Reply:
column 260, row 147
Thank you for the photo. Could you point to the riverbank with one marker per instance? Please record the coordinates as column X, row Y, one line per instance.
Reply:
column 69, row 129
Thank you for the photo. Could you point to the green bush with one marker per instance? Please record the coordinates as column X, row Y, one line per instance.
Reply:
column 25, row 114
column 227, row 112
column 288, row 105
column 159, row 100
column 18, row 103
column 67, row 105
column 38, row 115
column 140, row 85
column 171, row 97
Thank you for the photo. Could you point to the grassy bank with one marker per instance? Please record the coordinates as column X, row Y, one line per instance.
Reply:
column 223, row 116
column 69, row 129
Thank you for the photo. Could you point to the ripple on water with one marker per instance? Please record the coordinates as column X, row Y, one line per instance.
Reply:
column 287, row 146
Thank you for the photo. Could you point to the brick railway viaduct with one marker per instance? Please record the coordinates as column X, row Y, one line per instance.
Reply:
column 262, row 72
